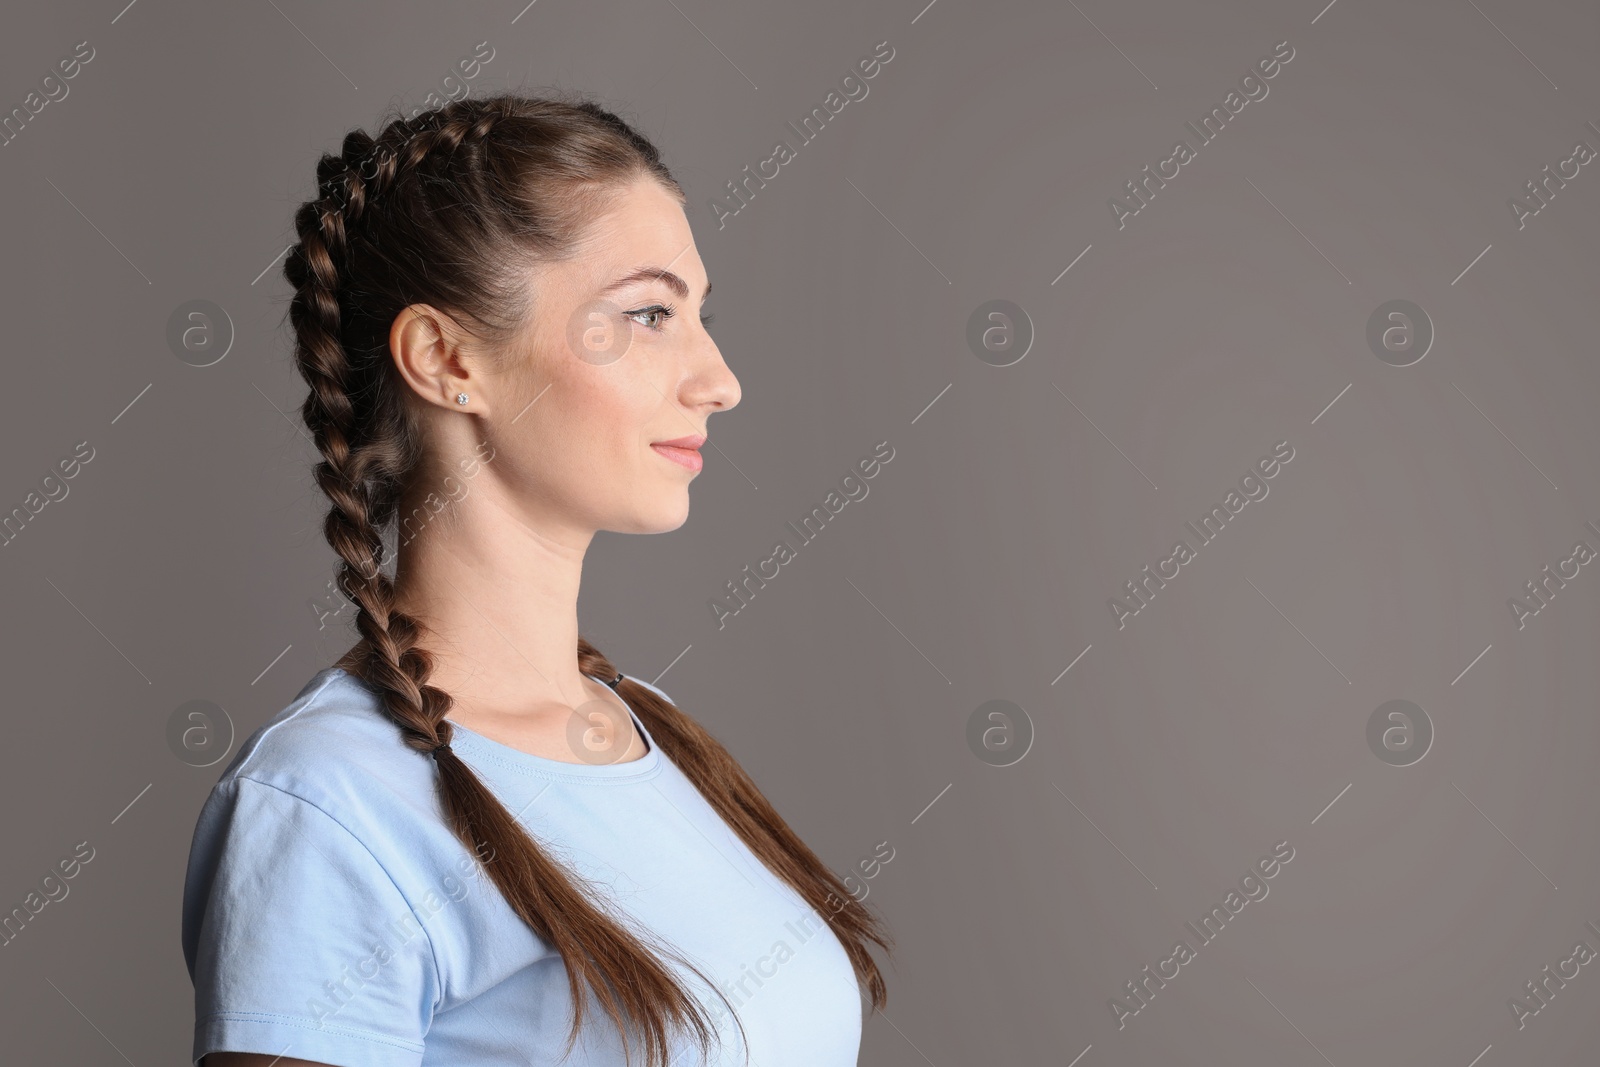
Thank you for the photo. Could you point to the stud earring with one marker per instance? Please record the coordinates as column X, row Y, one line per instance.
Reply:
column 461, row 398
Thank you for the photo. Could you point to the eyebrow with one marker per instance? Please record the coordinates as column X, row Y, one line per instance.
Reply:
column 672, row 281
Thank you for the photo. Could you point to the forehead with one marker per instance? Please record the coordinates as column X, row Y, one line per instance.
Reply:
column 643, row 226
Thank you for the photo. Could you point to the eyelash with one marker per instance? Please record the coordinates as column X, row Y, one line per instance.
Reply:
column 666, row 311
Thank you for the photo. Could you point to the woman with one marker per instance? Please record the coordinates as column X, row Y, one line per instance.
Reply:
column 474, row 841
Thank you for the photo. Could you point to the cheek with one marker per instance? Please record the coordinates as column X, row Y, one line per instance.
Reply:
column 603, row 424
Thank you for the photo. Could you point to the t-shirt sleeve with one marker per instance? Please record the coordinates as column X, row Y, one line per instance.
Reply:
column 299, row 943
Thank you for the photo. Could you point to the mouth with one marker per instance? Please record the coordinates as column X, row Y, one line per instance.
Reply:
column 684, row 451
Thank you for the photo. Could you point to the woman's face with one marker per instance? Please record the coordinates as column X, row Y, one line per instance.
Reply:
column 616, row 362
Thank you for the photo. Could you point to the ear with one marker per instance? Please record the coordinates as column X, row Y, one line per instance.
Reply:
column 431, row 352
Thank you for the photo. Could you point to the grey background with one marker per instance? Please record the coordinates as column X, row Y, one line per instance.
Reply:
column 1225, row 317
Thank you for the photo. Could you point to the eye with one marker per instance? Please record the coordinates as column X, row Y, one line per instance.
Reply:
column 664, row 311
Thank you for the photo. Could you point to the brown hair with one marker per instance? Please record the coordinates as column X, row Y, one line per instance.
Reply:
column 487, row 187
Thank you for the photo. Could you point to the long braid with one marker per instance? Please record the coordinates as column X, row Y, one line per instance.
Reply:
column 353, row 270
column 350, row 467
column 740, row 802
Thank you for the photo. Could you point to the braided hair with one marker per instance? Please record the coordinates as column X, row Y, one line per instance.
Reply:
column 489, row 186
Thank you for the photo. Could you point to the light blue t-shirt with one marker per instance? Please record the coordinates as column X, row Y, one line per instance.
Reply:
column 329, row 915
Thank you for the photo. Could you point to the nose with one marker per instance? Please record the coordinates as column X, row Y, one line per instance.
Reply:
column 716, row 384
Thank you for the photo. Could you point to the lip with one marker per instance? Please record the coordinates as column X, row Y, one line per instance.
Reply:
column 683, row 451
column 692, row 441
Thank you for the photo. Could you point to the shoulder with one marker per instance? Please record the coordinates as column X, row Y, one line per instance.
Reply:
column 335, row 725
column 313, row 867
column 334, row 749
column 323, row 801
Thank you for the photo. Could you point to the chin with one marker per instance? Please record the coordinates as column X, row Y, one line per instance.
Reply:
column 665, row 518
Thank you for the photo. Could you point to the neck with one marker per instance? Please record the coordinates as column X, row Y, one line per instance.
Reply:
column 496, row 589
